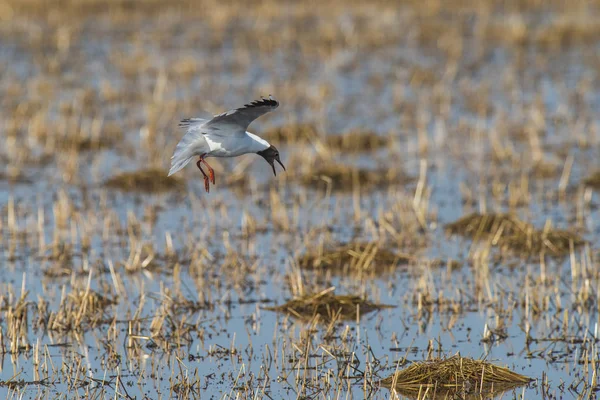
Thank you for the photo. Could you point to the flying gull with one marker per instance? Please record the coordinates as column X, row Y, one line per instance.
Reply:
column 224, row 135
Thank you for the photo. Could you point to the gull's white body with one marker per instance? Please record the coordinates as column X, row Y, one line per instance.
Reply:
column 233, row 146
column 224, row 135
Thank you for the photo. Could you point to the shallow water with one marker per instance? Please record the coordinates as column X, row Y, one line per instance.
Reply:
column 191, row 310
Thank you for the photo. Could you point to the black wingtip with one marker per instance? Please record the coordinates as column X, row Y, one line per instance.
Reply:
column 184, row 123
column 271, row 102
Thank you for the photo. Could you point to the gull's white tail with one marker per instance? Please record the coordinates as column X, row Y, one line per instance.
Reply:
column 191, row 144
column 179, row 160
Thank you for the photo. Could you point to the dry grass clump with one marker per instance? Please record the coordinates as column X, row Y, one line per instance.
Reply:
column 454, row 377
column 479, row 226
column 87, row 143
column 567, row 30
column 516, row 236
column 15, row 313
column 353, row 141
column 345, row 178
column 292, row 133
column 353, row 257
column 545, row 170
column 102, row 136
column 79, row 311
column 556, row 243
column 357, row 141
column 15, row 176
column 593, row 180
column 152, row 180
column 328, row 306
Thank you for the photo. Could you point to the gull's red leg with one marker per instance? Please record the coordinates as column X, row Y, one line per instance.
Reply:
column 211, row 172
column 206, row 184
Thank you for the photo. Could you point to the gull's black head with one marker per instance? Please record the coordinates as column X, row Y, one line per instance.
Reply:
column 271, row 155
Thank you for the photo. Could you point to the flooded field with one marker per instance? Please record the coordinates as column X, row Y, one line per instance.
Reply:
column 439, row 213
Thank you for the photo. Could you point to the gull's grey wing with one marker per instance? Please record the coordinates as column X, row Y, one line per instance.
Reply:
column 192, row 122
column 201, row 117
column 197, row 122
column 236, row 122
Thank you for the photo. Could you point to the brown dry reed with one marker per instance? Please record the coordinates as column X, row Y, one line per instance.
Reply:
column 454, row 377
column 16, row 322
column 80, row 311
